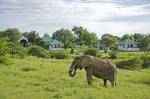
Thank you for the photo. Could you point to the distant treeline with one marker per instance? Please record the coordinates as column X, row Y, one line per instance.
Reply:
column 78, row 35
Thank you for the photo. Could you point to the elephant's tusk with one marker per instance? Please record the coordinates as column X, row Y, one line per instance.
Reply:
column 73, row 72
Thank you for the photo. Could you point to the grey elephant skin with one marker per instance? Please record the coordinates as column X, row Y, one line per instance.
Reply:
column 100, row 68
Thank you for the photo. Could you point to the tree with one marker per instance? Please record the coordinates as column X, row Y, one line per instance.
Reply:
column 32, row 36
column 25, row 34
column 109, row 41
column 40, row 42
column 79, row 31
column 65, row 36
column 89, row 38
column 83, row 36
column 138, row 37
column 127, row 36
column 2, row 34
column 12, row 34
column 145, row 43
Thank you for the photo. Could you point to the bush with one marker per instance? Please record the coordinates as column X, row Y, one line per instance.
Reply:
column 22, row 52
column 16, row 50
column 59, row 55
column 38, row 51
column 5, row 60
column 99, row 55
column 131, row 64
column 113, row 55
column 146, row 61
column 4, row 49
column 91, row 51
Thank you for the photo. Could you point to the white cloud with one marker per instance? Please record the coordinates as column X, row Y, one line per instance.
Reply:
column 118, row 28
column 48, row 15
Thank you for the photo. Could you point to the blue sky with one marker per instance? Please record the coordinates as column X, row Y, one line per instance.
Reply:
column 100, row 16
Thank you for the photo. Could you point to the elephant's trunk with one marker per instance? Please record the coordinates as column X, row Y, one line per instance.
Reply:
column 72, row 72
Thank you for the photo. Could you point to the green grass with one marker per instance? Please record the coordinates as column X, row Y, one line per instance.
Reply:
column 33, row 78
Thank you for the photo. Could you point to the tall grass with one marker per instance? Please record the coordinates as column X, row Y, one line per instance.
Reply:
column 37, row 78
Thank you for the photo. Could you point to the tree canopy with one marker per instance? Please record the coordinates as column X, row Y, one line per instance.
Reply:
column 83, row 36
column 108, row 40
column 12, row 34
column 65, row 36
column 127, row 36
column 146, row 43
column 78, row 35
column 34, row 38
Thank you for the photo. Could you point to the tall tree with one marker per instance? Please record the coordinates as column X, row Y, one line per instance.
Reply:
column 109, row 41
column 79, row 31
column 65, row 36
column 25, row 34
column 89, row 38
column 12, row 34
column 32, row 36
column 1, row 33
column 138, row 37
column 83, row 36
column 146, row 43
column 127, row 36
column 40, row 42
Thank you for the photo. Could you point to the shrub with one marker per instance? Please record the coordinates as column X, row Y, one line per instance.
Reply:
column 22, row 53
column 113, row 55
column 5, row 60
column 91, row 51
column 4, row 50
column 131, row 64
column 146, row 61
column 38, row 51
column 16, row 50
column 99, row 54
column 59, row 55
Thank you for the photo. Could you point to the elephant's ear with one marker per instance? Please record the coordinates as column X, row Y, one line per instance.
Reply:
column 86, row 61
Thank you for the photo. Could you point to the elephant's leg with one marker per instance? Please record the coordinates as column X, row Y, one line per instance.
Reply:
column 105, row 82
column 113, row 83
column 89, row 73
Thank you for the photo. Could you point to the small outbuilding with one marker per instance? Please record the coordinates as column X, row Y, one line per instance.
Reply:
column 128, row 45
column 23, row 41
column 51, row 44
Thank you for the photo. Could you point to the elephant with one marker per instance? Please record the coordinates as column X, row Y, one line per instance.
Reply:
column 101, row 68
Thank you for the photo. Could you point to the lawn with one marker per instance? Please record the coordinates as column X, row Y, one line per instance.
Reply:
column 33, row 78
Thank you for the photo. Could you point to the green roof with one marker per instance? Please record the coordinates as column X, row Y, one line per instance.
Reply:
column 55, row 42
column 128, row 41
column 49, row 40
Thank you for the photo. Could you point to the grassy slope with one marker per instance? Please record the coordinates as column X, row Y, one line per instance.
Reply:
column 49, row 78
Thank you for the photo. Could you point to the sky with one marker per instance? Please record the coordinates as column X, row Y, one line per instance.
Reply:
column 116, row 17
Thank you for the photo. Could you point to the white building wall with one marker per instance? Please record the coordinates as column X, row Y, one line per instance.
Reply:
column 52, row 47
column 121, row 48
